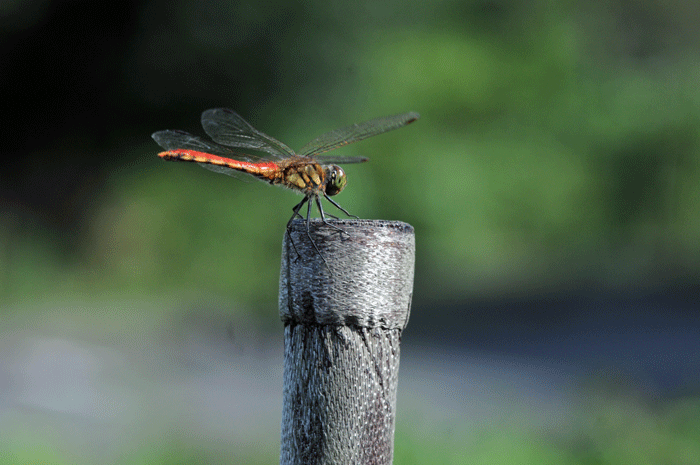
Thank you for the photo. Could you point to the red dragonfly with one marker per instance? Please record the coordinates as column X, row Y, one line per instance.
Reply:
column 302, row 172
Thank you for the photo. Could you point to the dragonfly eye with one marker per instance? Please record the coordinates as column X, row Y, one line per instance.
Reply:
column 336, row 180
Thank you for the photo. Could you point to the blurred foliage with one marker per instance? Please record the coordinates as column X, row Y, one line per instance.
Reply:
column 558, row 146
column 557, row 150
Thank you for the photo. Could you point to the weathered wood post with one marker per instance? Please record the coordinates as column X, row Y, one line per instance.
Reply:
column 342, row 331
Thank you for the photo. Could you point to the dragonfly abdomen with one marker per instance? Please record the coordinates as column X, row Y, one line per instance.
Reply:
column 266, row 170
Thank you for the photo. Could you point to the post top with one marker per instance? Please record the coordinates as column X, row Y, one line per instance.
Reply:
column 365, row 277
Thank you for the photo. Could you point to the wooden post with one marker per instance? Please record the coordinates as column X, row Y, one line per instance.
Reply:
column 343, row 320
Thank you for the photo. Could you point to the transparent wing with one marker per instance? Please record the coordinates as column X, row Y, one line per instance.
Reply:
column 330, row 159
column 356, row 132
column 228, row 128
column 243, row 176
column 174, row 139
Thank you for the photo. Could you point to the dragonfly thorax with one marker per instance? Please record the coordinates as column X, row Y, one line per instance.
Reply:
column 310, row 178
column 301, row 175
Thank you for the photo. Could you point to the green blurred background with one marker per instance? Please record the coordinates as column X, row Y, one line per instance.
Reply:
column 553, row 181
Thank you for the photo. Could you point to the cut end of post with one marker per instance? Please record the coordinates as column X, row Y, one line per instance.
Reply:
column 354, row 271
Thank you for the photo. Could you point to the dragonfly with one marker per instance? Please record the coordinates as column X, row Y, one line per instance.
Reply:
column 305, row 172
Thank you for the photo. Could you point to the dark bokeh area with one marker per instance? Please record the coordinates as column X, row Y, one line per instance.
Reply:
column 553, row 181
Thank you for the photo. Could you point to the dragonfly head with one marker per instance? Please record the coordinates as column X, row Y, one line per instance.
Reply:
column 335, row 179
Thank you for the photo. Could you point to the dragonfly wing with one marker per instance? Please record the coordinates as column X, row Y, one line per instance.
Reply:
column 180, row 140
column 228, row 128
column 327, row 160
column 356, row 132
column 242, row 175
column 173, row 139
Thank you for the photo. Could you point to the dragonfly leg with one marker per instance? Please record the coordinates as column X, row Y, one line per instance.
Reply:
column 308, row 231
column 335, row 204
column 296, row 213
column 323, row 216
